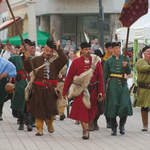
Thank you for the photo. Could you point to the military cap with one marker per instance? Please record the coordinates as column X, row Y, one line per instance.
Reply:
column 116, row 44
column 145, row 48
column 99, row 53
column 27, row 41
column 50, row 43
column 33, row 43
column 85, row 44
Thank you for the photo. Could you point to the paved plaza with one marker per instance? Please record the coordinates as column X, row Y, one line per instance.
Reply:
column 67, row 135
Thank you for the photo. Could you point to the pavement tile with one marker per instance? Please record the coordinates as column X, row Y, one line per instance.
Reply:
column 68, row 136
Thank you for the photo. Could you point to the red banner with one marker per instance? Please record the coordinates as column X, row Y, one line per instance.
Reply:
column 132, row 11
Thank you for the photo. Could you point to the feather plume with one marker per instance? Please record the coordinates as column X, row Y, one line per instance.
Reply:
column 116, row 38
column 86, row 36
column 101, row 49
column 52, row 33
column 111, row 35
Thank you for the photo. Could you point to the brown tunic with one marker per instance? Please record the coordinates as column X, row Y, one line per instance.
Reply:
column 43, row 103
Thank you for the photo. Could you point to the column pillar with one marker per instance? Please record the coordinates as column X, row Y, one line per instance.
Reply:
column 56, row 21
column 32, row 34
column 45, row 23
column 114, row 23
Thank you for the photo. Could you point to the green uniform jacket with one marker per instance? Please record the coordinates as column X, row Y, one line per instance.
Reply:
column 118, row 101
column 143, row 71
column 18, row 102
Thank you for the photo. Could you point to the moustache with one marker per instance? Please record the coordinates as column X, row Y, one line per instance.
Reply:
column 48, row 56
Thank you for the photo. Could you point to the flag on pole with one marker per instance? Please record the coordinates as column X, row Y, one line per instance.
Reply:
column 132, row 11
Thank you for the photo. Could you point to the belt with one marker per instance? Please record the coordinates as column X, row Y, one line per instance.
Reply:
column 93, row 83
column 120, row 79
column 145, row 86
column 91, row 88
column 117, row 75
column 46, row 83
column 60, row 80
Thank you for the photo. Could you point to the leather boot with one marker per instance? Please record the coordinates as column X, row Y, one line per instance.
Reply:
column 85, row 127
column 144, row 115
column 61, row 112
column 108, row 122
column 96, row 127
column 122, row 123
column 49, row 124
column 113, row 126
column 1, row 111
column 91, row 126
column 21, row 123
column 28, row 121
column 39, row 126
column 33, row 122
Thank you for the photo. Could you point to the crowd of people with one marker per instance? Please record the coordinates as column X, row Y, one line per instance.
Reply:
column 46, row 79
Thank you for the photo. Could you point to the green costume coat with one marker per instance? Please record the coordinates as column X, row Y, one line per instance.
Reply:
column 3, row 93
column 118, row 101
column 18, row 102
column 143, row 71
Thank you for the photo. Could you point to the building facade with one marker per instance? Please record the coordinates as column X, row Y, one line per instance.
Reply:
column 69, row 18
column 3, row 17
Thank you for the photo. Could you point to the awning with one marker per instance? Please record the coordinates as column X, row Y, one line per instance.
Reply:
column 7, row 23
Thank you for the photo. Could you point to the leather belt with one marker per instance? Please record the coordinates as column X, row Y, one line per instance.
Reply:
column 93, row 83
column 48, row 83
column 120, row 79
column 145, row 86
column 60, row 80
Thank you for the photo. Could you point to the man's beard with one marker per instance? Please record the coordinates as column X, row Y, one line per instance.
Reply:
column 88, row 55
column 48, row 57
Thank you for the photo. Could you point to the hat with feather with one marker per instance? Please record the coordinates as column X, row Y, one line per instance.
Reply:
column 116, row 43
column 50, row 42
column 86, row 43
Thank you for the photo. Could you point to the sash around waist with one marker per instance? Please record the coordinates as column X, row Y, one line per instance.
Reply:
column 46, row 83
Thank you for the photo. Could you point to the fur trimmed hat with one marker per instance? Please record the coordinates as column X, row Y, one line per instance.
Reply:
column 116, row 44
column 145, row 48
column 27, row 41
column 99, row 53
column 108, row 44
column 85, row 44
column 33, row 43
column 50, row 43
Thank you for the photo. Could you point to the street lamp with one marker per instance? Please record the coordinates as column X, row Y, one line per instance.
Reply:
column 101, row 24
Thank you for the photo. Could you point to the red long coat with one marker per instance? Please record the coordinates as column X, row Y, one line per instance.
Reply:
column 79, row 111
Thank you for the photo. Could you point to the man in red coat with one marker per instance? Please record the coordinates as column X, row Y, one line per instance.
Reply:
column 95, row 88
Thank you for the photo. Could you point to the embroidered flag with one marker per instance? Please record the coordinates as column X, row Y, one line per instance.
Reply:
column 132, row 11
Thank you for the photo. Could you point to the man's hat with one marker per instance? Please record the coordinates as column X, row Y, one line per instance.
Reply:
column 99, row 53
column 85, row 44
column 145, row 48
column 27, row 41
column 50, row 43
column 116, row 44
column 32, row 43
column 108, row 44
